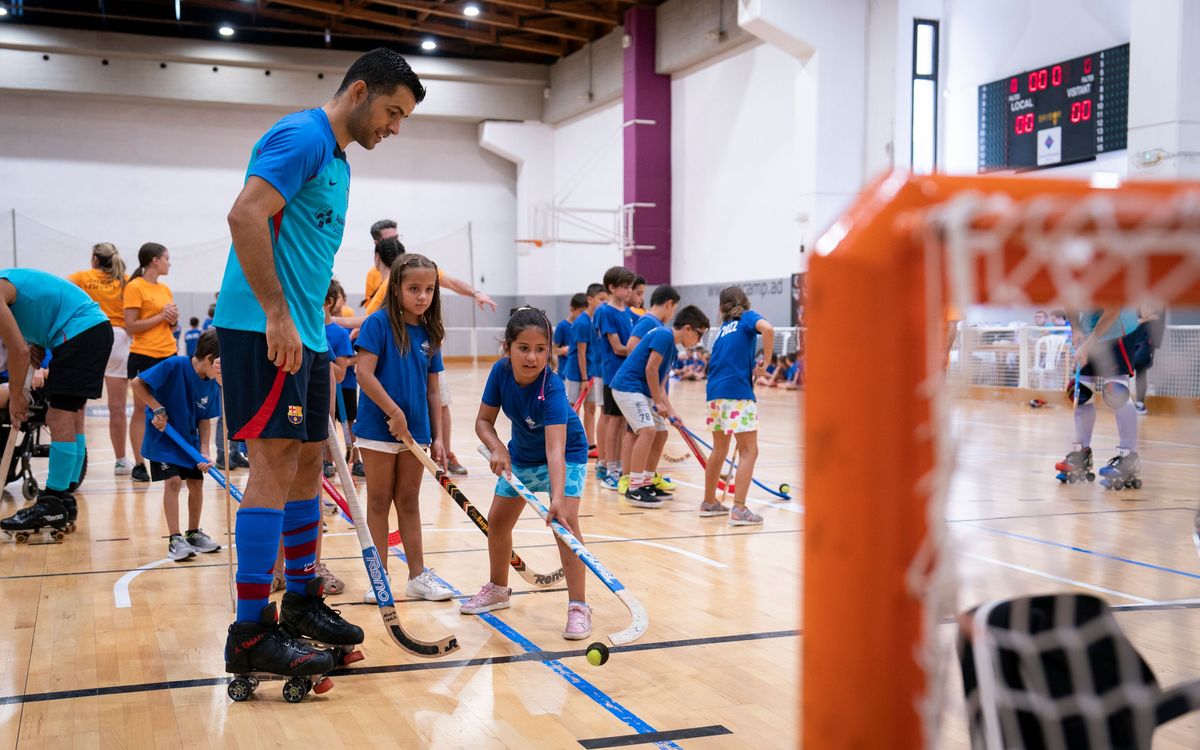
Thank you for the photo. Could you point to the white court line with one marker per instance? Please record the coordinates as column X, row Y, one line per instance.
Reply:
column 791, row 506
column 121, row 587
column 1068, row 581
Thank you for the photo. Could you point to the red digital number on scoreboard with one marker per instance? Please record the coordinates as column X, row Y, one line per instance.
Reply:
column 1081, row 111
column 1023, row 124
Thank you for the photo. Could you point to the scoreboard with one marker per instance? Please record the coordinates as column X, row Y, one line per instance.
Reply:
column 1062, row 113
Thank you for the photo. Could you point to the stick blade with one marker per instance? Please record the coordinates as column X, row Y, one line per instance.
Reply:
column 415, row 646
column 638, row 623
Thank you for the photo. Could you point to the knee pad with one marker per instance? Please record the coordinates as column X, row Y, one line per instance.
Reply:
column 1115, row 395
column 1085, row 393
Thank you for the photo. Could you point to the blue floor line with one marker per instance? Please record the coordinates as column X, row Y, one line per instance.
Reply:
column 629, row 718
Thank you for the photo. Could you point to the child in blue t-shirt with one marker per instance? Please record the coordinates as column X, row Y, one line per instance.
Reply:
column 732, row 409
column 192, row 336
column 183, row 392
column 613, row 326
column 562, row 334
column 547, row 452
column 399, row 361
column 583, row 364
column 640, row 391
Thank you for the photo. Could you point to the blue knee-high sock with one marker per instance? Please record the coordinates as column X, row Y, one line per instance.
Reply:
column 257, row 534
column 301, row 526
column 80, row 455
column 62, row 464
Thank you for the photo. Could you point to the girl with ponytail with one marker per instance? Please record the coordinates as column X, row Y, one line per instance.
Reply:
column 150, row 317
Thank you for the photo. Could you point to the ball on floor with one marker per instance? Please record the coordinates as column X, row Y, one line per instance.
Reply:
column 597, row 654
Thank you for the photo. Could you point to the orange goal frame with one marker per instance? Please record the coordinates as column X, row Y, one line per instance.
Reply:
column 869, row 426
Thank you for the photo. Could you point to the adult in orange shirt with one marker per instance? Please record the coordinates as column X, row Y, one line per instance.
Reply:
column 150, row 316
column 105, row 282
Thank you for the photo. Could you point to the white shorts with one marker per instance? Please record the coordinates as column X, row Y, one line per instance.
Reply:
column 595, row 396
column 635, row 407
column 382, row 446
column 444, row 389
column 118, row 357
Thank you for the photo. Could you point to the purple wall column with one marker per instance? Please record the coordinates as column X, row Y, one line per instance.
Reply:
column 647, row 96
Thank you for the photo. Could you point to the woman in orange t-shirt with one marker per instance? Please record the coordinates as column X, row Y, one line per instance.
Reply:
column 105, row 282
column 150, row 316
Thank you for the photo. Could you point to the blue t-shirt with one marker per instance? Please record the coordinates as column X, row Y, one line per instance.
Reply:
column 404, row 375
column 631, row 378
column 645, row 325
column 562, row 337
column 1125, row 323
column 300, row 158
column 530, row 408
column 188, row 399
column 611, row 320
column 338, row 339
column 191, row 339
column 206, row 325
column 582, row 332
column 50, row 310
column 731, row 367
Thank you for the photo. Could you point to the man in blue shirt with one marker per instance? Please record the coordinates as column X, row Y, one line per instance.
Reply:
column 287, row 224
column 640, row 390
column 54, row 314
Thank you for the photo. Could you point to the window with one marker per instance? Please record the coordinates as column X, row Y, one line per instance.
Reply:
column 924, row 96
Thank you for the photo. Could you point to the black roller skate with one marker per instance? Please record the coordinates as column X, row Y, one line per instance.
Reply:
column 47, row 515
column 308, row 617
column 1076, row 467
column 1122, row 471
column 264, row 649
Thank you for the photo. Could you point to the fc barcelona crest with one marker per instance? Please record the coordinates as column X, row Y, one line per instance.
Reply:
column 295, row 414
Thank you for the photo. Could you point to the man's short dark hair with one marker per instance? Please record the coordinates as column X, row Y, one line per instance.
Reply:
column 663, row 293
column 383, row 69
column 578, row 301
column 378, row 227
column 389, row 249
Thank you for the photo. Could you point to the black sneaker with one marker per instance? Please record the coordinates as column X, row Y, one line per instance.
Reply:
column 643, row 497
column 328, row 470
column 139, row 473
column 240, row 461
column 358, row 470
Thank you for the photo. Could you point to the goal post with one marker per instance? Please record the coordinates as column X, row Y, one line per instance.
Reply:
column 877, row 457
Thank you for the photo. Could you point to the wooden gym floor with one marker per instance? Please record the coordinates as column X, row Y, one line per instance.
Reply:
column 106, row 644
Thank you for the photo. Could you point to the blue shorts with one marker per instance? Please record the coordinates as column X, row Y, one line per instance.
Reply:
column 537, row 479
column 262, row 401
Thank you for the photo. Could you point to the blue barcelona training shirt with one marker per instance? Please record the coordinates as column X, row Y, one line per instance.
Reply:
column 301, row 159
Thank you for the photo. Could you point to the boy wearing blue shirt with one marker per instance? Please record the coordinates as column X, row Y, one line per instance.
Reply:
column 583, row 364
column 562, row 333
column 613, row 326
column 182, row 392
column 641, row 382
column 663, row 303
column 192, row 336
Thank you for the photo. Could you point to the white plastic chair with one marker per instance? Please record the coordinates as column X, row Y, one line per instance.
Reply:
column 1046, row 353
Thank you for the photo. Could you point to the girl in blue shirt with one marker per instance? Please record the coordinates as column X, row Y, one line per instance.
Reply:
column 548, row 453
column 399, row 361
column 732, row 410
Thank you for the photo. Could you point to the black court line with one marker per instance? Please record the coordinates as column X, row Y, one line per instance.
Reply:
column 147, row 687
column 118, row 539
column 188, row 565
column 627, row 740
column 1067, row 513
column 1156, row 607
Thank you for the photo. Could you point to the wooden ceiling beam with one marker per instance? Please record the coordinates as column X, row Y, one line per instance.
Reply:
column 577, row 11
column 516, row 22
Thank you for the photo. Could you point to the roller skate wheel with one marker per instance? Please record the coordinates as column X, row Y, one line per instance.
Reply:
column 1119, row 486
column 324, row 685
column 295, row 689
column 1091, row 477
column 22, row 537
column 240, row 689
column 350, row 657
column 1137, row 484
column 57, row 535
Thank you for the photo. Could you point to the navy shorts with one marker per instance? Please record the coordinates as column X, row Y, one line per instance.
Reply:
column 262, row 401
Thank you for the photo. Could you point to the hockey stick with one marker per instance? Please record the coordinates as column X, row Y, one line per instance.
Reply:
column 583, row 394
column 393, row 536
column 640, row 620
column 695, row 449
column 782, row 492
column 532, row 578
column 375, row 572
column 225, row 483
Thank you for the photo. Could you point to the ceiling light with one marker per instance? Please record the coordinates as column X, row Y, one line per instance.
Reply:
column 3, row 12
column 471, row 11
column 225, row 31
column 428, row 44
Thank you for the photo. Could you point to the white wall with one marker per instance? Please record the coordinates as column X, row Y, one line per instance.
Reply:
column 88, row 170
column 986, row 41
column 736, row 168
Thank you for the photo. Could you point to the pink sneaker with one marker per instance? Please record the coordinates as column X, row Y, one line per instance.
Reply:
column 743, row 516
column 489, row 597
column 715, row 508
column 579, row 621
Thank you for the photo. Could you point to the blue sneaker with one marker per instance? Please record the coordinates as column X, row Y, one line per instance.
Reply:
column 601, row 471
column 610, row 482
